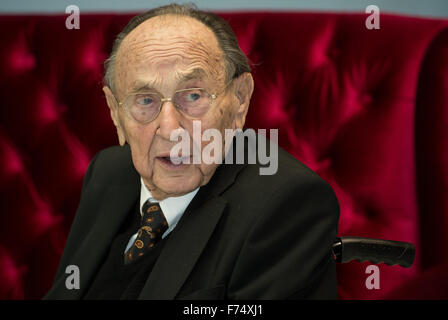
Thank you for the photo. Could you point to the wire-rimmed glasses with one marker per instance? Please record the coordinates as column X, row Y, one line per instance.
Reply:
column 144, row 107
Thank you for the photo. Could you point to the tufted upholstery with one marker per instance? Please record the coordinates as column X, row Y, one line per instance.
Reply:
column 366, row 109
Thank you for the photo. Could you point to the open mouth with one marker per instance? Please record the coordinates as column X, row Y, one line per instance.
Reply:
column 175, row 162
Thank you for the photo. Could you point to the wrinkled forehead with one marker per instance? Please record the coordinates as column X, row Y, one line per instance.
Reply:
column 166, row 48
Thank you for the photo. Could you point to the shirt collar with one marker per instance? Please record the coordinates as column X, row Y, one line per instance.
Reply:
column 173, row 207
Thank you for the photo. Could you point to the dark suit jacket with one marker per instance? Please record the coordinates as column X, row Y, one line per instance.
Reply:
column 244, row 235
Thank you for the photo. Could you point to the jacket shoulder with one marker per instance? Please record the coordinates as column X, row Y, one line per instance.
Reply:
column 290, row 171
column 112, row 164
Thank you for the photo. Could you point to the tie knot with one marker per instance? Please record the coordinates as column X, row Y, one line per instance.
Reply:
column 153, row 219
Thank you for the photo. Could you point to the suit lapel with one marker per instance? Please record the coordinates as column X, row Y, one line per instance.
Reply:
column 181, row 251
column 189, row 238
column 116, row 204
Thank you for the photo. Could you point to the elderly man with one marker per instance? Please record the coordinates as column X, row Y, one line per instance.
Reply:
column 148, row 227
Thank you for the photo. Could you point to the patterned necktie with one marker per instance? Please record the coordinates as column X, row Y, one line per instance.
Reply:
column 152, row 227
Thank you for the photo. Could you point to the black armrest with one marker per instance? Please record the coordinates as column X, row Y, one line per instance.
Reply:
column 377, row 251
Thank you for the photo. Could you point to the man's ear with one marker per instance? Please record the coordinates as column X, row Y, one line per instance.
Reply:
column 113, row 107
column 244, row 87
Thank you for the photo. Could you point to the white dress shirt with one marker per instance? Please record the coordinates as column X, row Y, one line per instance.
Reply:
column 173, row 208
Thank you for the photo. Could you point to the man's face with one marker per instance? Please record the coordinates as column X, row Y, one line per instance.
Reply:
column 162, row 55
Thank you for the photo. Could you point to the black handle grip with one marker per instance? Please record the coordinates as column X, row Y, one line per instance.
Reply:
column 376, row 251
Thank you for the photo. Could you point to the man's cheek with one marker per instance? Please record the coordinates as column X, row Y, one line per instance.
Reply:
column 140, row 138
column 144, row 166
column 140, row 151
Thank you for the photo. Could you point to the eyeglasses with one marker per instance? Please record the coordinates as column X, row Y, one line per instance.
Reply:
column 145, row 107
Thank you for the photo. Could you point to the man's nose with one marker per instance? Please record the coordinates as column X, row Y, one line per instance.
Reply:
column 169, row 119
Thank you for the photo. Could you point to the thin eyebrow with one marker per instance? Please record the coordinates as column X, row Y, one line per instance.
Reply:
column 143, row 86
column 146, row 86
column 196, row 73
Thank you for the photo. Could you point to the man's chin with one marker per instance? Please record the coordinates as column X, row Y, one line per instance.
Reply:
column 174, row 186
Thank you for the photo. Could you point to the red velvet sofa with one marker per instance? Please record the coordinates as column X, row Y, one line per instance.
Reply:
column 366, row 109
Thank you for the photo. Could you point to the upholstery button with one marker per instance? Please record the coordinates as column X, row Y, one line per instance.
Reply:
column 334, row 53
column 365, row 99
